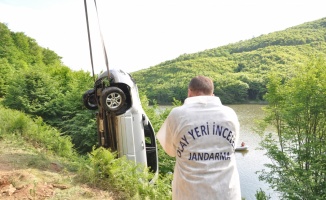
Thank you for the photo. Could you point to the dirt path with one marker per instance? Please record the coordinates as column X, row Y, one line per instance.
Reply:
column 25, row 174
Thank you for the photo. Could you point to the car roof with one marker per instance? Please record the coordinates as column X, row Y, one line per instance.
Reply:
column 118, row 76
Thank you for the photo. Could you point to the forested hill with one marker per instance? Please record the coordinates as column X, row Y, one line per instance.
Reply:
column 34, row 80
column 239, row 70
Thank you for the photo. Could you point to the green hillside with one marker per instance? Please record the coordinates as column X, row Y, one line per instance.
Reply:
column 52, row 118
column 239, row 70
column 34, row 80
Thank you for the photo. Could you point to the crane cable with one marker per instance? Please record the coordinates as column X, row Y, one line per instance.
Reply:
column 90, row 43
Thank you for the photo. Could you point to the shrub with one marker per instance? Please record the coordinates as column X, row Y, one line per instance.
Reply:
column 36, row 132
column 103, row 170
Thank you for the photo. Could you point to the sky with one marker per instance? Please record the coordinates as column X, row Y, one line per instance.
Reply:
column 139, row 34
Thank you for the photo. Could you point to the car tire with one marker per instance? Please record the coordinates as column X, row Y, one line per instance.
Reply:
column 89, row 100
column 113, row 99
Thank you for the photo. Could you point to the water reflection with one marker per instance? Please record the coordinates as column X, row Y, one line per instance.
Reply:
column 243, row 153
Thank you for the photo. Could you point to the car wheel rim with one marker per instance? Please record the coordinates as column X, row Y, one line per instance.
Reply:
column 113, row 100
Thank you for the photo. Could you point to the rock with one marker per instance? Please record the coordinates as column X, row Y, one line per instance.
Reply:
column 8, row 190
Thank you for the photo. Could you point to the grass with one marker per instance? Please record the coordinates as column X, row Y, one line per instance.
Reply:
column 30, row 148
column 36, row 175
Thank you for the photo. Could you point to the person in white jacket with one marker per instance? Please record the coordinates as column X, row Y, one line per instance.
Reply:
column 202, row 134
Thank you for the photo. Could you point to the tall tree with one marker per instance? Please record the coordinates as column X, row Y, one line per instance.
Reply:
column 6, row 72
column 32, row 91
column 297, row 109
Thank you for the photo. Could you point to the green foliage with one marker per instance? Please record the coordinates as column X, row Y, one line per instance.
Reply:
column 28, row 49
column 55, row 95
column 32, row 91
column 100, row 169
column 50, row 57
column 239, row 70
column 103, row 170
column 8, row 49
column 261, row 195
column 82, row 129
column 297, row 109
column 34, row 81
column 6, row 73
column 21, row 50
column 231, row 91
column 57, row 89
column 68, row 113
column 35, row 132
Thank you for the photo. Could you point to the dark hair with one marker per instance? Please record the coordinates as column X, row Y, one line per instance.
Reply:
column 201, row 84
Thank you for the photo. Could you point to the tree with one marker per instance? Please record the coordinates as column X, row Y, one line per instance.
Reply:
column 297, row 109
column 8, row 49
column 6, row 71
column 50, row 57
column 32, row 91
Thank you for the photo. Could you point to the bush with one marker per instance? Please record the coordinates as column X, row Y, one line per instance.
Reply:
column 36, row 132
column 133, row 181
column 297, row 110
column 261, row 195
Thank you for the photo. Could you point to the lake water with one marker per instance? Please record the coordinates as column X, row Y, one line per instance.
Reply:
column 253, row 160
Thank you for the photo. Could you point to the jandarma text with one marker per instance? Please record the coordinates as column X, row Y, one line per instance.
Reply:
column 205, row 130
column 210, row 156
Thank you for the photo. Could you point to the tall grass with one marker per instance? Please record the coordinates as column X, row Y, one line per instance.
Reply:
column 131, row 181
column 36, row 132
column 100, row 169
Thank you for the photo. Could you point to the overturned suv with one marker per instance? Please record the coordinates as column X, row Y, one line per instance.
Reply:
column 122, row 124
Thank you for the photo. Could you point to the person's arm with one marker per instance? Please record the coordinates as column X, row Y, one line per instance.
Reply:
column 165, row 137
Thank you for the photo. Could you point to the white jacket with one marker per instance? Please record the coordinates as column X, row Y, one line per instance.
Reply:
column 202, row 135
